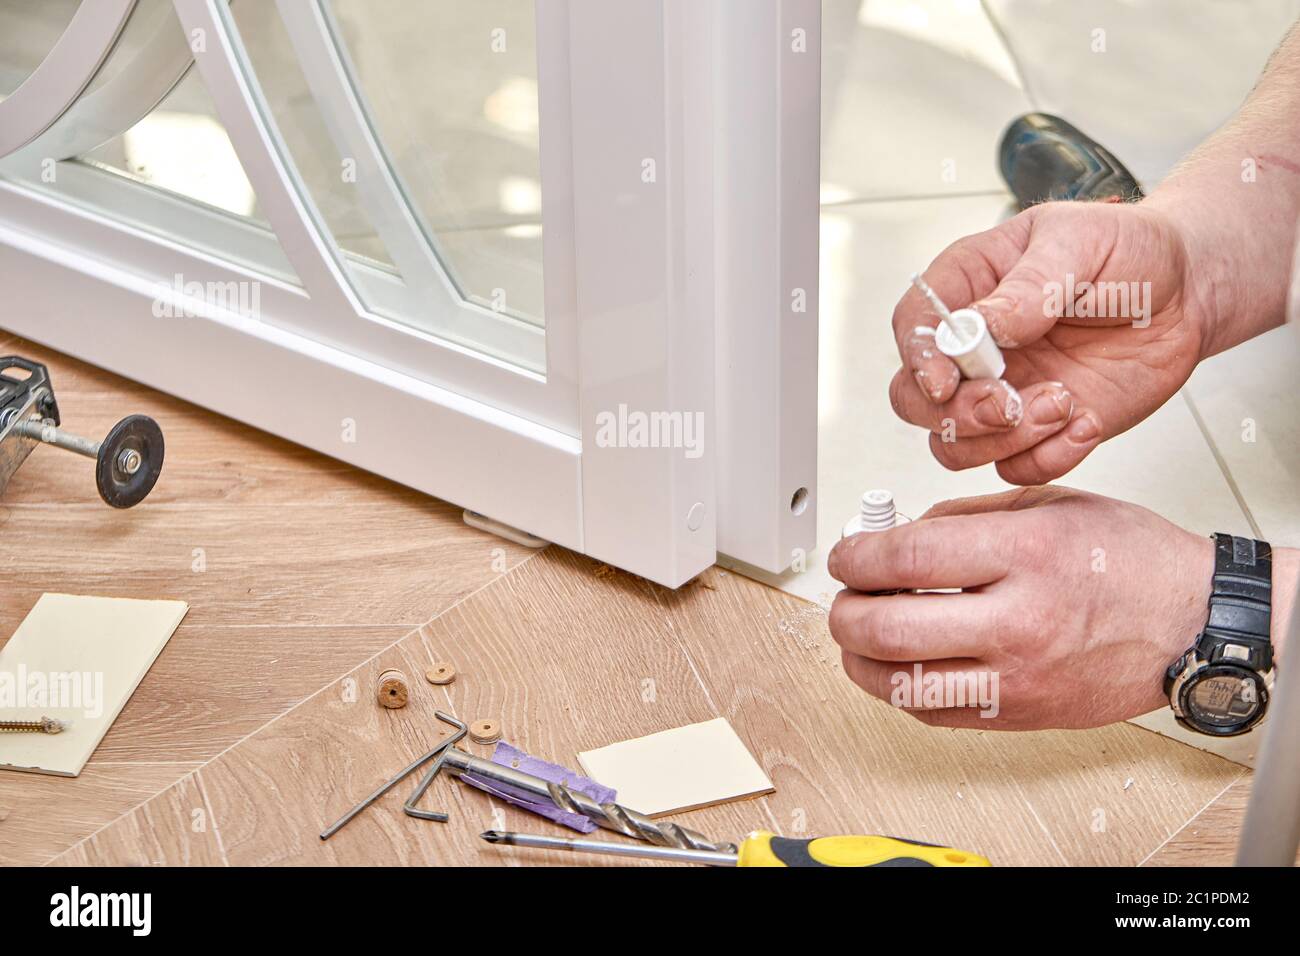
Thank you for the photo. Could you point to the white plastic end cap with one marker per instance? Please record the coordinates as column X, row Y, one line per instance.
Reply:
column 971, row 347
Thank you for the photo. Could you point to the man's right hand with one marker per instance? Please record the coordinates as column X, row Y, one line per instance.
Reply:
column 1076, row 380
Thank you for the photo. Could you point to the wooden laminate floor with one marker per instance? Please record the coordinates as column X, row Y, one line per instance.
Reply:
column 256, row 727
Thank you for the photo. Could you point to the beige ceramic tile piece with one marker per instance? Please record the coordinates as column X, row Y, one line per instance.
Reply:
column 84, row 656
column 698, row 765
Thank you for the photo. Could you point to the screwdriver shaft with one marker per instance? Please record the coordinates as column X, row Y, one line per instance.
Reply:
column 674, row 854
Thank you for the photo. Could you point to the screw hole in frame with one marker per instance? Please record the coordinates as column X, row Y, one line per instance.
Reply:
column 799, row 501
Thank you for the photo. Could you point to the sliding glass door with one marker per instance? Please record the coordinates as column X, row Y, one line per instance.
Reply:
column 488, row 248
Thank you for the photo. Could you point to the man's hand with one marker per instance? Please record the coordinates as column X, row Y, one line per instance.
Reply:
column 1076, row 379
column 1076, row 602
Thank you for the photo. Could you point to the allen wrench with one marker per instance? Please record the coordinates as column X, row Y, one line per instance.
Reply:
column 437, row 751
column 409, row 807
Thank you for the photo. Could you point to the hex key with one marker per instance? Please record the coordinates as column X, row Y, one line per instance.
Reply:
column 402, row 775
column 409, row 807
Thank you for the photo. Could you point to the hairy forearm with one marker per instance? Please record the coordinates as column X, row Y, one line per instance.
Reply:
column 1236, row 203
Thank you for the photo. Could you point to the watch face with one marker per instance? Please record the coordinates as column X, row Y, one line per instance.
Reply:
column 1224, row 698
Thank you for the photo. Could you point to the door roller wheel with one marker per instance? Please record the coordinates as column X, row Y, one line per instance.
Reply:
column 129, row 461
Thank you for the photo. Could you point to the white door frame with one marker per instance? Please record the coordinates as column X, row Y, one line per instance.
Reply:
column 768, row 205
column 636, row 216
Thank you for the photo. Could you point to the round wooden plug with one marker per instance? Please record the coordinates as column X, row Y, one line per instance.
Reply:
column 485, row 731
column 392, row 691
column 440, row 673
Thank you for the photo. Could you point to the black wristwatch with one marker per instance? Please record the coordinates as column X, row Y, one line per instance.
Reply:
column 1220, row 686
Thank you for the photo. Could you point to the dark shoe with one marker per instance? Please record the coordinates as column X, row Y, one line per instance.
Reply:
column 1044, row 158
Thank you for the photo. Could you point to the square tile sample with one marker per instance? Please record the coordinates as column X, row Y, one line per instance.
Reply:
column 698, row 765
column 77, row 660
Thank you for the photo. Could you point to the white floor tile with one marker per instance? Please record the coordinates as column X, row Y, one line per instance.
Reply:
column 1170, row 73
column 915, row 96
column 1248, row 400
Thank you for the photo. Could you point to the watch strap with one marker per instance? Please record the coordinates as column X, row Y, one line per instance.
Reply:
column 1238, row 627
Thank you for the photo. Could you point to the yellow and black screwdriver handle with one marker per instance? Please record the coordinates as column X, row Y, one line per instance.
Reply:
column 762, row 848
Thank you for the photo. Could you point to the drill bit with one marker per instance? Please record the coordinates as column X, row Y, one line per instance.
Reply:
column 46, row 725
column 611, row 816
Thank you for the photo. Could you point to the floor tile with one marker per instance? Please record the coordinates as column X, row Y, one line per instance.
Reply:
column 41, row 816
column 1168, row 76
column 1247, row 399
column 297, row 568
column 842, row 761
column 1210, row 838
column 249, row 529
column 915, row 96
column 637, row 658
column 558, row 682
column 213, row 686
column 174, row 828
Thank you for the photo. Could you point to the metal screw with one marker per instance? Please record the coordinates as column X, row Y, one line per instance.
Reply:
column 129, row 461
column 46, row 725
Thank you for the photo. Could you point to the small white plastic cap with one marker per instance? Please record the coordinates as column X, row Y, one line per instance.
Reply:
column 972, row 348
column 877, row 513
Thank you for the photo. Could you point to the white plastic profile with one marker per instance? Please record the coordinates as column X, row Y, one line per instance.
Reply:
column 767, row 231
column 114, row 106
column 66, row 70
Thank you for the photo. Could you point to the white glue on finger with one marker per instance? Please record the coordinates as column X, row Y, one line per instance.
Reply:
column 964, row 337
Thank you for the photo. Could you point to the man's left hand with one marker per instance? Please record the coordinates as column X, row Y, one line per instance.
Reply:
column 1077, row 603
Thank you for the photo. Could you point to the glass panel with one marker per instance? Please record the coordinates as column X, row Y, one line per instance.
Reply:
column 469, row 281
column 331, row 183
column 182, row 147
column 28, row 30
column 452, row 92
column 173, row 171
column 432, row 196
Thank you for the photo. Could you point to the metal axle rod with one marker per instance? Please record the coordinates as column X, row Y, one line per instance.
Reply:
column 128, row 460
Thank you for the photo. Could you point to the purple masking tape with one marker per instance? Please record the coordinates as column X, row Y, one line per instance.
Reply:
column 516, row 759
